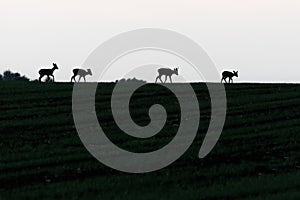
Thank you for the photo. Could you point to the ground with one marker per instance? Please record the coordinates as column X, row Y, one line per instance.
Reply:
column 257, row 156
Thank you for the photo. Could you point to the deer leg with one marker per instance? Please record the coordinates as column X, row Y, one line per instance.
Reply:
column 52, row 77
column 165, row 78
column 170, row 79
column 40, row 79
column 84, row 79
column 223, row 79
column 73, row 78
column 158, row 77
column 79, row 78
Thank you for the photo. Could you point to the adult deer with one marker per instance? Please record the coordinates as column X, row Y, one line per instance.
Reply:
column 167, row 73
column 227, row 74
column 47, row 72
column 80, row 73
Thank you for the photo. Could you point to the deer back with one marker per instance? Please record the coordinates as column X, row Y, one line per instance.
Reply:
column 80, row 72
column 227, row 74
column 165, row 71
column 46, row 71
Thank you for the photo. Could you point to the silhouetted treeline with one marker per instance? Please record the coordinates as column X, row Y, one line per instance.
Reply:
column 10, row 76
column 123, row 80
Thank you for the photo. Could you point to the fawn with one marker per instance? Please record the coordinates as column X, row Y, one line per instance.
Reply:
column 227, row 74
column 47, row 72
column 80, row 73
column 167, row 73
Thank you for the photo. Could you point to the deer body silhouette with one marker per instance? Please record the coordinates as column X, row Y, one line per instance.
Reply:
column 47, row 72
column 167, row 73
column 81, row 73
column 227, row 74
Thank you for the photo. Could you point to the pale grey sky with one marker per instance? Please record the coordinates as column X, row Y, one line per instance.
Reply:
column 260, row 38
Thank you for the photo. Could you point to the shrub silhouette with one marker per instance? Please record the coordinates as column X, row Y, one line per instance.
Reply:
column 133, row 80
column 10, row 76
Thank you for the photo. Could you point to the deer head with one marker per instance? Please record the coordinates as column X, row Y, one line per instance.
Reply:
column 55, row 66
column 235, row 73
column 176, row 71
column 89, row 71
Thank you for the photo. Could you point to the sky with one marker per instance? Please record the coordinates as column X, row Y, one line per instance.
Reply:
column 259, row 38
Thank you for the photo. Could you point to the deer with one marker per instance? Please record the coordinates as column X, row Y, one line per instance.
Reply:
column 81, row 73
column 227, row 74
column 167, row 73
column 47, row 72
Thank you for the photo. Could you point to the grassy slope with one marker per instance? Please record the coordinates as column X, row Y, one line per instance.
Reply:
column 257, row 156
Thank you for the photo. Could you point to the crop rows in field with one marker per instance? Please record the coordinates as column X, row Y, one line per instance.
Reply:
column 257, row 156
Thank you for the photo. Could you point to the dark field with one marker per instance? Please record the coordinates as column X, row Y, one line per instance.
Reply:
column 257, row 156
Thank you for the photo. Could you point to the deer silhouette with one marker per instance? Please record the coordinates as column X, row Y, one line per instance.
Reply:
column 47, row 72
column 227, row 74
column 167, row 73
column 80, row 73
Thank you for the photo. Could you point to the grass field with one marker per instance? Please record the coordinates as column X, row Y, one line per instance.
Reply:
column 257, row 156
